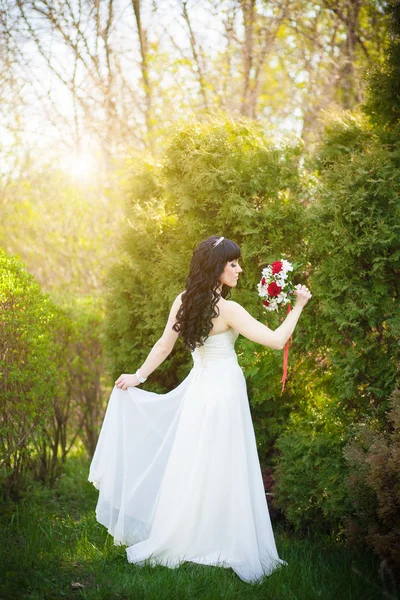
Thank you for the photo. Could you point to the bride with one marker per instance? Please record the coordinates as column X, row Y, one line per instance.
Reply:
column 178, row 474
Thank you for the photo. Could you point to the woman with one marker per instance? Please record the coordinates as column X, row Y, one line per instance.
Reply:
column 178, row 473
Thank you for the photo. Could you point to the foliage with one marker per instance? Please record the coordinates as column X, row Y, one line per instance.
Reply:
column 28, row 371
column 78, row 404
column 52, row 367
column 383, row 91
column 355, row 246
column 309, row 480
column 62, row 228
column 87, row 373
column 373, row 459
column 345, row 134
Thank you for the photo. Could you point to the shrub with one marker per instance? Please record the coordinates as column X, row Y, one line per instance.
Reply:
column 310, row 470
column 87, row 374
column 29, row 376
column 355, row 246
column 373, row 459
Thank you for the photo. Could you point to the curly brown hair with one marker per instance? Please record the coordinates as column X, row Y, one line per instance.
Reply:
column 198, row 308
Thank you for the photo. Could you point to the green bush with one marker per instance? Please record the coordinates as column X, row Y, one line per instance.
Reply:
column 87, row 374
column 29, row 377
column 383, row 98
column 355, row 239
column 78, row 403
column 356, row 251
column 310, row 471
column 344, row 134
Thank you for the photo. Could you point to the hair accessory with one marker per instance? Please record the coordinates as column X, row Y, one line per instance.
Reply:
column 218, row 241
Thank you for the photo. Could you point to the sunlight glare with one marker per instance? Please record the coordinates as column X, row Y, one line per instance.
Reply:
column 80, row 165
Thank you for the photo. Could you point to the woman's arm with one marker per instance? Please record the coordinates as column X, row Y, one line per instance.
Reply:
column 159, row 352
column 238, row 318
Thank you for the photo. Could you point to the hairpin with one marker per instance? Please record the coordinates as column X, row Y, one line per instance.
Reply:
column 218, row 241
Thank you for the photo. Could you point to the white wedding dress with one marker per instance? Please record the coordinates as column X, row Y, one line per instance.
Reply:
column 179, row 475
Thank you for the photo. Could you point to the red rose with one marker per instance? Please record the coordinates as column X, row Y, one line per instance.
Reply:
column 263, row 281
column 273, row 289
column 276, row 267
column 265, row 302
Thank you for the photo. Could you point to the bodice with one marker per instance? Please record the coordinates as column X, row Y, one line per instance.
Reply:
column 219, row 346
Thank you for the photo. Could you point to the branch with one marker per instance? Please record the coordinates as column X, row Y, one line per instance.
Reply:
column 144, row 67
column 196, row 55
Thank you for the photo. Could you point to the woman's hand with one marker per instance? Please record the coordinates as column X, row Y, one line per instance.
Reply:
column 125, row 381
column 302, row 294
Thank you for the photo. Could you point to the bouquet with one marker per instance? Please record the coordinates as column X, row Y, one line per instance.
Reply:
column 276, row 288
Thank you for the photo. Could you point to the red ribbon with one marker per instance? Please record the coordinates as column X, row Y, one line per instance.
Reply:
column 286, row 356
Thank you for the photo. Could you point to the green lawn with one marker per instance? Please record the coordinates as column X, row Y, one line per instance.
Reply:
column 52, row 547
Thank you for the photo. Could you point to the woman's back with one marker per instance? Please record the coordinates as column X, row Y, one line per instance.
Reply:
column 220, row 323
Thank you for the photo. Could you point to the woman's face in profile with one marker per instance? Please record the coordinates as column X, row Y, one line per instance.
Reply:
column 230, row 274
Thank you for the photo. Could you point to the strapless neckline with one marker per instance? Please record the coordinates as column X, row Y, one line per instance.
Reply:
column 221, row 346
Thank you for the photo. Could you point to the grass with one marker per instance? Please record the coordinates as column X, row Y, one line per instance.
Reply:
column 53, row 548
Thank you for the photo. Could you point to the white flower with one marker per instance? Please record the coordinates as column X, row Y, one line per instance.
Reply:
column 286, row 265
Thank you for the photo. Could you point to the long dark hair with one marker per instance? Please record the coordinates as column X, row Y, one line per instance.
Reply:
column 193, row 319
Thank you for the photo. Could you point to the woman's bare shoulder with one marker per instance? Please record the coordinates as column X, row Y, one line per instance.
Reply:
column 227, row 308
column 178, row 299
column 227, row 304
